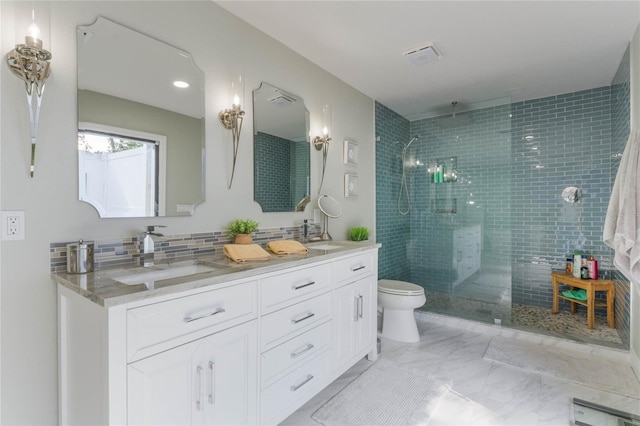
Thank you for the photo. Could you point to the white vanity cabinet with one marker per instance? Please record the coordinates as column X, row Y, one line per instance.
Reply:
column 466, row 252
column 206, row 382
column 189, row 358
column 354, row 309
column 245, row 351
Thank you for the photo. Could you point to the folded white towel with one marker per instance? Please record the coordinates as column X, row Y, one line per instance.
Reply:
column 622, row 225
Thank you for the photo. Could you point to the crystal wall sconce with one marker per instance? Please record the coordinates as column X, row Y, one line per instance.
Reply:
column 232, row 118
column 30, row 63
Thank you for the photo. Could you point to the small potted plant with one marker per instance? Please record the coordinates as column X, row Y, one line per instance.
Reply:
column 359, row 233
column 240, row 230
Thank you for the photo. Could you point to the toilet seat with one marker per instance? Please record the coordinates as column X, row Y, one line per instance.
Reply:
column 400, row 288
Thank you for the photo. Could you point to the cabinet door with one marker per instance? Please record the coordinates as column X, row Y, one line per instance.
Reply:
column 344, row 317
column 160, row 388
column 231, row 376
column 366, row 313
column 354, row 320
column 209, row 381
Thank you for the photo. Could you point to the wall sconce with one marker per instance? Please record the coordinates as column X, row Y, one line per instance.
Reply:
column 232, row 118
column 30, row 63
column 321, row 143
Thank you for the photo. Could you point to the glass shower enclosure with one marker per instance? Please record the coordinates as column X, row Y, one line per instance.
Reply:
column 459, row 183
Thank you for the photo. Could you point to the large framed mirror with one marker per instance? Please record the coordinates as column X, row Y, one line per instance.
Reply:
column 140, row 124
column 281, row 150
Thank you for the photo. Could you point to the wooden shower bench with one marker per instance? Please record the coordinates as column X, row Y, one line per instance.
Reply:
column 591, row 286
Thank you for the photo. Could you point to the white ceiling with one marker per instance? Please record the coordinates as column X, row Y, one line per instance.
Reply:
column 490, row 49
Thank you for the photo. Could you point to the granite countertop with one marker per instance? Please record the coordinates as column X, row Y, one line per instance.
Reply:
column 102, row 288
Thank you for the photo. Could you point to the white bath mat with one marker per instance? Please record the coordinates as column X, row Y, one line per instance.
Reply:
column 578, row 367
column 384, row 395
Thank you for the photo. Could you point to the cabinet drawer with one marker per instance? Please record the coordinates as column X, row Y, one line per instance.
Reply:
column 349, row 269
column 285, row 289
column 287, row 323
column 297, row 387
column 160, row 326
column 294, row 352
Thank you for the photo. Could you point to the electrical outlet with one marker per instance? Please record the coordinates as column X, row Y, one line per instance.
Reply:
column 13, row 225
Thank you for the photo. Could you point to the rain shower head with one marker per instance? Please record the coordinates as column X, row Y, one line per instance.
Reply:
column 454, row 120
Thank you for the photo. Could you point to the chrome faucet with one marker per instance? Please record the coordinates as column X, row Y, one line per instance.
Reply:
column 148, row 245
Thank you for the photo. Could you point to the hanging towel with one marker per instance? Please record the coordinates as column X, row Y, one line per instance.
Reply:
column 622, row 225
column 244, row 252
column 287, row 247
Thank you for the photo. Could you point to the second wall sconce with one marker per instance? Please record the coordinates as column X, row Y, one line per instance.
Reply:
column 321, row 143
column 232, row 118
column 30, row 63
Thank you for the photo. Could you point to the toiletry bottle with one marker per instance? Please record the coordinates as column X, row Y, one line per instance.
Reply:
column 584, row 273
column 577, row 264
column 569, row 267
column 592, row 266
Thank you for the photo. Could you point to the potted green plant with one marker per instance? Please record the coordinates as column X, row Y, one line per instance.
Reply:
column 240, row 230
column 359, row 233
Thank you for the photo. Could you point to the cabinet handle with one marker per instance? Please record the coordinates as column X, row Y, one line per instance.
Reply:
column 355, row 308
column 360, row 305
column 208, row 314
column 212, row 377
column 298, row 287
column 357, row 269
column 307, row 348
column 199, row 404
column 459, row 255
column 307, row 380
column 309, row 315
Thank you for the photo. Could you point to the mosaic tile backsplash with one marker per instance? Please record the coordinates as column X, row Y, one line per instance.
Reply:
column 125, row 252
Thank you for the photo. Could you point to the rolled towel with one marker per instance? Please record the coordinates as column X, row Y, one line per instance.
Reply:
column 244, row 252
column 287, row 247
column 576, row 294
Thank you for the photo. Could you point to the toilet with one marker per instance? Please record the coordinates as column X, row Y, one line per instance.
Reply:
column 397, row 300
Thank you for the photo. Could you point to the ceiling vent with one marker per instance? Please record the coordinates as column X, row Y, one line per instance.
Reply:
column 423, row 54
column 282, row 100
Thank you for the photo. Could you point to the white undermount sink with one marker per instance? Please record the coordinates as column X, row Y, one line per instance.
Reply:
column 141, row 276
column 324, row 246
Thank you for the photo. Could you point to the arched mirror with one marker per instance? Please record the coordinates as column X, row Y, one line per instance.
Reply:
column 281, row 150
column 140, row 124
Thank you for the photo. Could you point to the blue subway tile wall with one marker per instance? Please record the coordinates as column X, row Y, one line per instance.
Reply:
column 620, row 129
column 477, row 145
column 558, row 141
column 392, row 228
column 513, row 162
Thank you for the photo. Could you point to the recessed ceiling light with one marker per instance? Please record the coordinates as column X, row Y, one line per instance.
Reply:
column 181, row 84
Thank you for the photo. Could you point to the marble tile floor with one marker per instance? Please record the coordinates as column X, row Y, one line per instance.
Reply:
column 484, row 392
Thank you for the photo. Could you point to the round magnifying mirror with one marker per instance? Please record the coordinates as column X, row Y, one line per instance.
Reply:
column 331, row 209
column 571, row 194
column 329, row 206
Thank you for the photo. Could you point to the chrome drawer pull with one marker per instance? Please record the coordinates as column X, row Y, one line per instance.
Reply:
column 208, row 314
column 309, row 315
column 307, row 380
column 199, row 403
column 212, row 377
column 300, row 352
column 360, row 305
column 298, row 287
column 357, row 269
